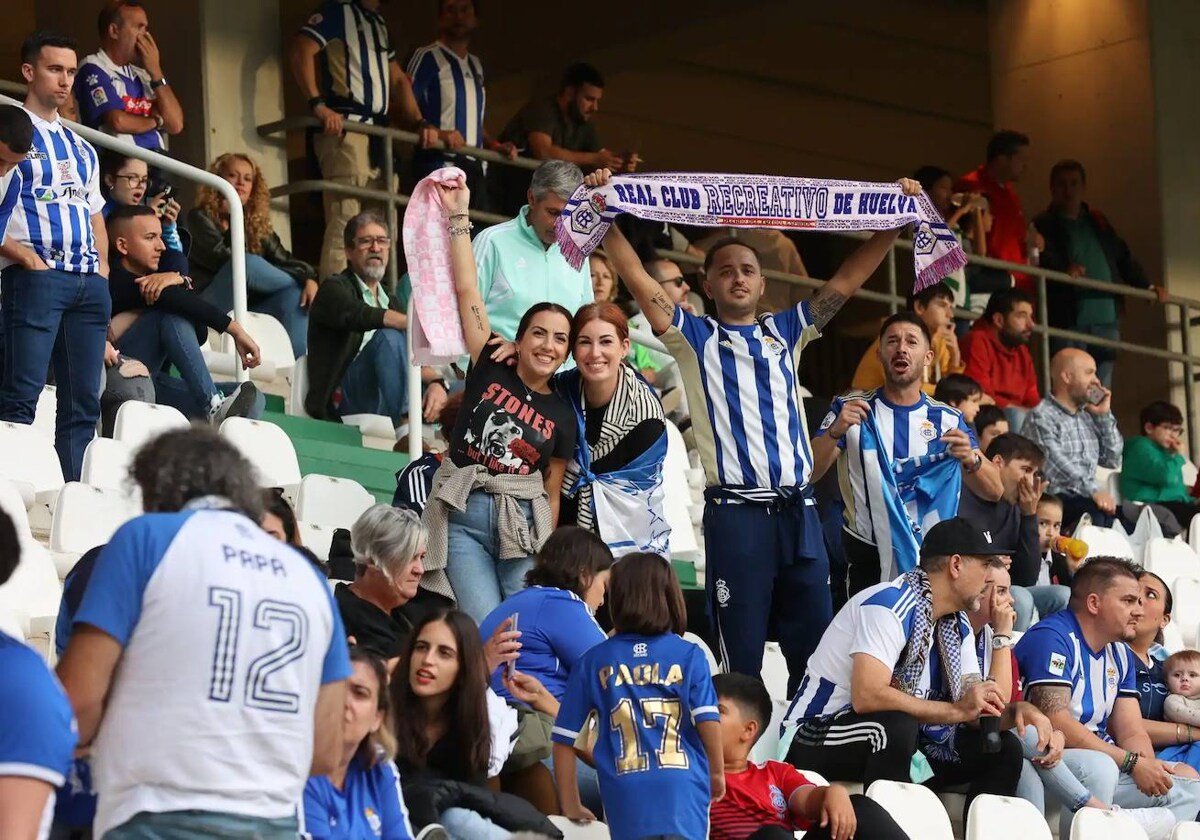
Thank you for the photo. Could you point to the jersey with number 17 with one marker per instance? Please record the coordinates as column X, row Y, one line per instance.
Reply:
column 648, row 693
column 227, row 637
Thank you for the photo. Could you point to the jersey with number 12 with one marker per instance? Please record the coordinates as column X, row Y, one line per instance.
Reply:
column 648, row 693
column 227, row 637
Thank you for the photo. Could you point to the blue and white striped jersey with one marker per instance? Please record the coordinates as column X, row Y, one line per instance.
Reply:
column 51, row 196
column 355, row 53
column 450, row 90
column 1054, row 652
column 751, row 432
column 877, row 621
column 911, row 434
column 240, row 632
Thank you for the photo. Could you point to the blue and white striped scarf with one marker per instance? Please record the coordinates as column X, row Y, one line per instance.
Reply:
column 623, row 506
column 932, row 481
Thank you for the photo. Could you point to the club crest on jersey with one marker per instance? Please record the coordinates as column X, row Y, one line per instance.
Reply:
column 1111, row 674
column 777, row 801
column 64, row 169
column 828, row 421
column 927, row 431
column 722, row 592
column 1058, row 664
column 641, row 650
column 373, row 820
column 772, row 345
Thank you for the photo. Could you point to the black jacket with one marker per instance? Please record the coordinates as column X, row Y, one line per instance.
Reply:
column 337, row 320
column 211, row 250
column 1010, row 528
column 1061, row 298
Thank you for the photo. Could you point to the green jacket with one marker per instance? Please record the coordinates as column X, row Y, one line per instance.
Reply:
column 1151, row 474
column 337, row 320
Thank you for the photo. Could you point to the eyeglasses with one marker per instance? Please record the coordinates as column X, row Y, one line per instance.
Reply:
column 371, row 241
column 677, row 282
column 134, row 181
column 1170, row 428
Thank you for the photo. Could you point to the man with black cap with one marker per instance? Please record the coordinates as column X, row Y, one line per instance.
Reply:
column 896, row 672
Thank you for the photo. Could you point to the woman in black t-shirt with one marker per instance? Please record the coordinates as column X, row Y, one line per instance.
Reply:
column 508, row 449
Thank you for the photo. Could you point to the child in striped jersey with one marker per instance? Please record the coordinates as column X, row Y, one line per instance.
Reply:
column 658, row 753
column 772, row 800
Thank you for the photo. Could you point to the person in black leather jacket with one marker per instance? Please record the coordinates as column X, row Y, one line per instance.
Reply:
column 277, row 283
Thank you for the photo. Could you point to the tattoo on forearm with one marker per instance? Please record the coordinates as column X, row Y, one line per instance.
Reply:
column 478, row 317
column 970, row 680
column 824, row 305
column 664, row 303
column 1050, row 698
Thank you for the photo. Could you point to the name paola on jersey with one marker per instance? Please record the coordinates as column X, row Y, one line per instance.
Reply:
column 649, row 673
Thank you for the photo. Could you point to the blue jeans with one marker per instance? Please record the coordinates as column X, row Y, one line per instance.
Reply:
column 480, row 580
column 173, row 392
column 463, row 824
column 55, row 318
column 185, row 825
column 269, row 290
column 1045, row 599
column 377, row 380
column 157, row 337
column 1058, row 781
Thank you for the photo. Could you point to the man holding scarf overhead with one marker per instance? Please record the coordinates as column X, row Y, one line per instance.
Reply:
column 907, row 456
column 894, row 691
column 766, row 561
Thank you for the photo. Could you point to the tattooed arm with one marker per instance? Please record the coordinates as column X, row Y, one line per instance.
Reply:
column 471, row 310
column 1054, row 701
column 828, row 300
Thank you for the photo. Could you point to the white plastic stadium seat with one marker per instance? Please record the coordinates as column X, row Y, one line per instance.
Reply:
column 28, row 457
column 33, row 592
column 1186, row 831
column 774, row 672
column 267, row 447
column 1104, row 542
column 1094, row 824
column 275, row 351
column 1186, row 615
column 1194, row 534
column 1189, row 473
column 295, row 405
column 580, row 831
column 677, row 495
column 106, row 464
column 138, row 421
column 46, row 413
column 1173, row 638
column 86, row 517
column 708, row 654
column 316, row 538
column 336, row 502
column 915, row 808
column 1171, row 559
column 1001, row 817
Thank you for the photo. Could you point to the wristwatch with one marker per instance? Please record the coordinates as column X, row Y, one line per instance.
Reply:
column 975, row 465
column 155, row 84
column 1001, row 642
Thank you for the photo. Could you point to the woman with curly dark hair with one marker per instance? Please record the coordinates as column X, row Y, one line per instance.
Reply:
column 277, row 283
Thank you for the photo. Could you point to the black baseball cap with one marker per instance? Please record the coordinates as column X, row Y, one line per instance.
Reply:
column 958, row 536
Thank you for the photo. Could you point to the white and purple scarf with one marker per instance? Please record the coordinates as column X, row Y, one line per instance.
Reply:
column 760, row 201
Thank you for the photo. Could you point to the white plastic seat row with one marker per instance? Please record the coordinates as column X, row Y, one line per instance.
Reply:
column 84, row 518
column 31, row 597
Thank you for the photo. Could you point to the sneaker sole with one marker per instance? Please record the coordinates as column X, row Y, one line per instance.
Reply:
column 241, row 403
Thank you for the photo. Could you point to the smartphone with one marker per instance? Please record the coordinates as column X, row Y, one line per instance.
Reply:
column 1095, row 395
column 510, row 667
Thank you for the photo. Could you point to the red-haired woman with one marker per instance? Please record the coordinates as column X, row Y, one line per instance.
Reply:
column 613, row 485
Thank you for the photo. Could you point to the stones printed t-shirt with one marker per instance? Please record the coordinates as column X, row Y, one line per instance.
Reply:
column 507, row 427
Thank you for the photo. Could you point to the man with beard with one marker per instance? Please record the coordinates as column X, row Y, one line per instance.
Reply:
column 897, row 430
column 357, row 347
column 896, row 673
column 996, row 351
column 1076, row 429
column 1079, row 672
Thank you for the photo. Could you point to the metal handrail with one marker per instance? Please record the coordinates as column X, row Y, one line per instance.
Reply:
column 891, row 298
column 237, row 229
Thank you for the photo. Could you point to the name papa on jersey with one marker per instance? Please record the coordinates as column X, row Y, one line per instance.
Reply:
column 257, row 562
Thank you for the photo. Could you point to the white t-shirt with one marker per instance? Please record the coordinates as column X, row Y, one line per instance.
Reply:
column 877, row 621
column 228, row 635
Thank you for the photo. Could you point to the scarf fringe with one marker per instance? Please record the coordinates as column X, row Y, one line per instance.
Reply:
column 939, row 269
column 572, row 253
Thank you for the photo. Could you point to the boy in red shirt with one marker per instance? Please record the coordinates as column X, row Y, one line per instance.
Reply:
column 772, row 800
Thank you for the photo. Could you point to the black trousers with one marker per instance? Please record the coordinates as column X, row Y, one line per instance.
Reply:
column 862, row 564
column 874, row 823
column 880, row 745
column 1076, row 506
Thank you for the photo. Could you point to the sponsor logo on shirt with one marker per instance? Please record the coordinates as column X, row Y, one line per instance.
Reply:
column 1111, row 674
column 722, row 592
column 373, row 819
column 34, row 154
column 139, row 105
column 1058, row 664
column 641, row 650
column 828, row 421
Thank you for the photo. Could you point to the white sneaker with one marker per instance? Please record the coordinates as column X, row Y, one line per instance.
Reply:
column 238, row 404
column 1156, row 822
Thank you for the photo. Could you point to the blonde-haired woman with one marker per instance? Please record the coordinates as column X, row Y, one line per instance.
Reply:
column 277, row 283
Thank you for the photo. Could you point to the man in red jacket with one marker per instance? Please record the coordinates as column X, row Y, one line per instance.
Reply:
column 997, row 356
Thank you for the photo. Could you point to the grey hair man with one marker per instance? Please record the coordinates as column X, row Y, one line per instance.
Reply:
column 519, row 263
column 389, row 546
